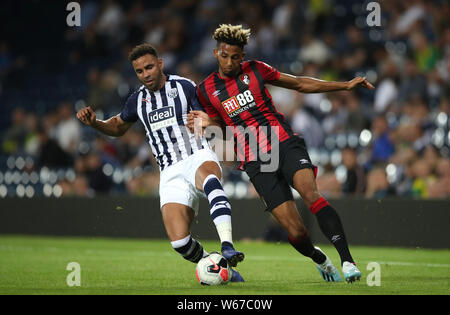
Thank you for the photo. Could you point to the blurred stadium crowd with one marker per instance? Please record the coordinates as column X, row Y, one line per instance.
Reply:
column 391, row 142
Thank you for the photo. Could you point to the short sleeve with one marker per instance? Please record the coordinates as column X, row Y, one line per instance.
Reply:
column 189, row 89
column 206, row 105
column 267, row 72
column 129, row 112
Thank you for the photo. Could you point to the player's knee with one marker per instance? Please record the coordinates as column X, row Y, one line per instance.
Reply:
column 298, row 233
column 310, row 196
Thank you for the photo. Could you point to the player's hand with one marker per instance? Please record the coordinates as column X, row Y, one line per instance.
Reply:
column 87, row 116
column 360, row 82
column 197, row 121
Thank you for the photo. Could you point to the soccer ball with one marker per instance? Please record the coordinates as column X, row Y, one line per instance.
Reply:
column 213, row 270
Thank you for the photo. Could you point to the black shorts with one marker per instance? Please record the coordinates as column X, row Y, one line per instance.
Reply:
column 274, row 188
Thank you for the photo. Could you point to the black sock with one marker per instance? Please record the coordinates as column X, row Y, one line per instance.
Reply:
column 305, row 247
column 331, row 226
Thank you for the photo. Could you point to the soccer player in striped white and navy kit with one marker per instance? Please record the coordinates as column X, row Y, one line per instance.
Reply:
column 188, row 165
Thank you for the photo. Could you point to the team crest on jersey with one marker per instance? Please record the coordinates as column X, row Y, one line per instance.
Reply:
column 173, row 93
column 245, row 78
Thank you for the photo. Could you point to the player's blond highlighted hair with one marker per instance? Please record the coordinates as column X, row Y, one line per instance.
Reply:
column 232, row 35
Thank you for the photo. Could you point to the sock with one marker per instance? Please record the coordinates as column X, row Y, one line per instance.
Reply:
column 331, row 226
column 220, row 208
column 305, row 247
column 190, row 249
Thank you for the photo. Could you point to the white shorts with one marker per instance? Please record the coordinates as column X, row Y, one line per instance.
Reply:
column 177, row 182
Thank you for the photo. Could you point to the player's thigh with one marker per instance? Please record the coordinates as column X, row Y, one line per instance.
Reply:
column 174, row 189
column 201, row 164
column 272, row 188
column 177, row 220
column 289, row 218
column 299, row 171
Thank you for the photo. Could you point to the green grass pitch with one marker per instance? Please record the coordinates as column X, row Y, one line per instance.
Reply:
column 37, row 265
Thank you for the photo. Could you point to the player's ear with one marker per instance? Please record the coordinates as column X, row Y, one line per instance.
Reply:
column 161, row 63
column 216, row 52
column 243, row 55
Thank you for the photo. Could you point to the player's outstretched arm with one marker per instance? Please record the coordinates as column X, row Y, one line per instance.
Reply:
column 114, row 126
column 311, row 85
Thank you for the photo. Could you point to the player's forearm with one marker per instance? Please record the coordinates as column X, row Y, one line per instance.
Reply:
column 108, row 127
column 311, row 85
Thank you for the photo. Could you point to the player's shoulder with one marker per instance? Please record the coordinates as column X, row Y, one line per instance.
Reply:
column 208, row 79
column 182, row 80
column 133, row 97
column 257, row 63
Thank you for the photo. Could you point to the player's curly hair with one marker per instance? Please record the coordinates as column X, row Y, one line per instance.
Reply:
column 232, row 35
column 142, row 50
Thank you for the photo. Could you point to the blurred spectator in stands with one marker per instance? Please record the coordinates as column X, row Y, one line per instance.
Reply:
column 95, row 91
column 106, row 149
column 91, row 166
column 313, row 50
column 68, row 132
column 440, row 188
column 185, row 69
column 31, row 145
column 377, row 184
column 147, row 184
column 425, row 53
column 14, row 137
column 356, row 119
column 327, row 183
column 413, row 82
column 336, row 114
column 50, row 153
column 91, row 45
column 356, row 179
column 386, row 93
column 382, row 147
column 6, row 60
column 305, row 123
column 110, row 20
column 282, row 19
column 78, row 187
column 423, row 178
column 110, row 99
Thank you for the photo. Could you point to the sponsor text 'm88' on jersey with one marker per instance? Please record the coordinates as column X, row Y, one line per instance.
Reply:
column 164, row 115
column 245, row 104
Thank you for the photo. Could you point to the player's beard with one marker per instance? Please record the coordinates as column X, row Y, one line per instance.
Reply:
column 231, row 73
column 156, row 84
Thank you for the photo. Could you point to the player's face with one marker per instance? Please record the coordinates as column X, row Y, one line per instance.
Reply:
column 229, row 58
column 149, row 68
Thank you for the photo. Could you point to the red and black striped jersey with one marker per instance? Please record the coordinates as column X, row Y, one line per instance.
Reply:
column 245, row 104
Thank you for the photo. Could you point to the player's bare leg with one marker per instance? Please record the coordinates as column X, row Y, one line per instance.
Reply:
column 288, row 216
column 207, row 179
column 327, row 218
column 177, row 220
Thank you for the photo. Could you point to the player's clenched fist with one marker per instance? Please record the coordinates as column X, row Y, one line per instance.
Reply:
column 87, row 116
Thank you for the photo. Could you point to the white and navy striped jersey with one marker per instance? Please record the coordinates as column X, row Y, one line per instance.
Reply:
column 164, row 115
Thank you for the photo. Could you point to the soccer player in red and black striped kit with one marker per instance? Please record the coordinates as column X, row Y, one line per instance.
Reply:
column 236, row 96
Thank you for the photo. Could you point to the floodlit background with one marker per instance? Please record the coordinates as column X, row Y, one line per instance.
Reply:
column 393, row 141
